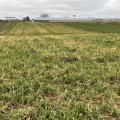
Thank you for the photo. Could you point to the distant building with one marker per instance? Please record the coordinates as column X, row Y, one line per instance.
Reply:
column 43, row 17
column 10, row 18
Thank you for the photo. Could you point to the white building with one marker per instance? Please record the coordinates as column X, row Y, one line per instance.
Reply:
column 10, row 18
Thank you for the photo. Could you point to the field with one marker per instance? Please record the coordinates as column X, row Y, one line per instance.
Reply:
column 59, row 71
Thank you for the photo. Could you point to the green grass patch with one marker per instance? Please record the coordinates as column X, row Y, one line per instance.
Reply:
column 51, row 71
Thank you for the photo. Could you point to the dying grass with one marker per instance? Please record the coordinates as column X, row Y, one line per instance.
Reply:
column 44, row 75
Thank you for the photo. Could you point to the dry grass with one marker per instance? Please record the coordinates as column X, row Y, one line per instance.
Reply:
column 49, row 73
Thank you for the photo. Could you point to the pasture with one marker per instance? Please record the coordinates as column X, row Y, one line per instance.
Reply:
column 59, row 71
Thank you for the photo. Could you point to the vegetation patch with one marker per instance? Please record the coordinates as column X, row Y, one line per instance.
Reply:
column 109, row 57
column 59, row 71
column 70, row 59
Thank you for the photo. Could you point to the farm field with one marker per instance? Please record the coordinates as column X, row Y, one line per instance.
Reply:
column 59, row 71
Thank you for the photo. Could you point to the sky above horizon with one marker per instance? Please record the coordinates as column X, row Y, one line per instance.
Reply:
column 58, row 8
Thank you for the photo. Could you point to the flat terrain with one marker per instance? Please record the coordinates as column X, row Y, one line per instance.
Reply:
column 59, row 71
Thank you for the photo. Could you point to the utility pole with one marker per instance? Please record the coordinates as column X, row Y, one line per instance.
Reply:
column 74, row 17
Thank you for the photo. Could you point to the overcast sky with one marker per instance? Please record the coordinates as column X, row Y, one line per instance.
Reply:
column 82, row 8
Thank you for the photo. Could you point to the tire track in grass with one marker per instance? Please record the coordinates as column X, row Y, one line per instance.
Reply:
column 6, row 28
column 30, row 29
column 47, row 26
column 15, row 29
column 39, row 29
column 58, row 28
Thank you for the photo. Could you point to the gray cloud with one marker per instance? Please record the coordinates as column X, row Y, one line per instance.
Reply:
column 83, row 8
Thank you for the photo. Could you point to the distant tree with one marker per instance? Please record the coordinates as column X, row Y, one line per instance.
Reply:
column 26, row 18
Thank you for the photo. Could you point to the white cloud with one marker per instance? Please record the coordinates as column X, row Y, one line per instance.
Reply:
column 111, row 3
column 83, row 8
